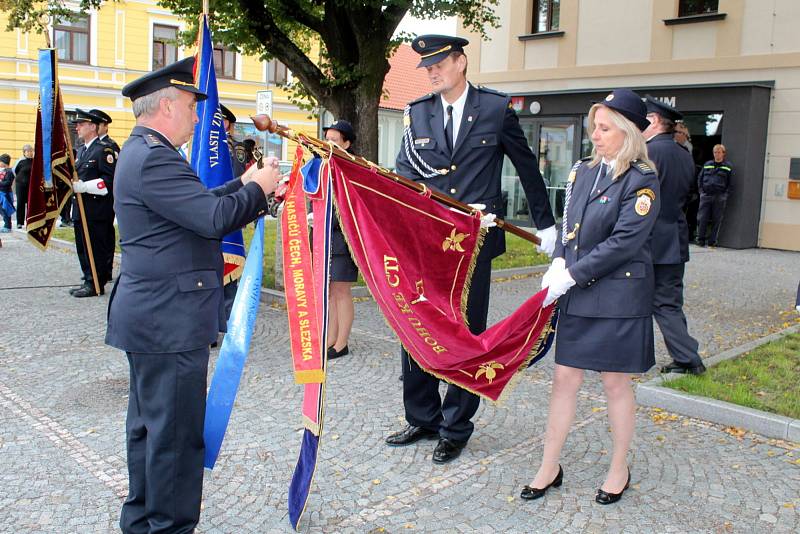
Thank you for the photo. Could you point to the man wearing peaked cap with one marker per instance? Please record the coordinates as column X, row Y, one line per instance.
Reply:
column 102, row 129
column 455, row 141
column 179, row 74
column 94, row 163
column 237, row 149
column 167, row 304
column 670, row 239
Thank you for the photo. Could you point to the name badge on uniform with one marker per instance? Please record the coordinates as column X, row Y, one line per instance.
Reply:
column 422, row 141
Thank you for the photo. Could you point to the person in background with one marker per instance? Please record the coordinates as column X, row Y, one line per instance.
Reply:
column 102, row 129
column 684, row 139
column 343, row 269
column 714, row 183
column 602, row 274
column 6, row 196
column 670, row 241
column 23, row 176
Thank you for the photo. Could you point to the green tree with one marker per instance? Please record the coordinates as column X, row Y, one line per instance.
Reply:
column 337, row 50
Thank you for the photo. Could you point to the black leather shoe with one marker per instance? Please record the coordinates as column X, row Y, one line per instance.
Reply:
column 410, row 434
column 675, row 367
column 604, row 497
column 333, row 353
column 74, row 289
column 447, row 450
column 87, row 291
column 529, row 493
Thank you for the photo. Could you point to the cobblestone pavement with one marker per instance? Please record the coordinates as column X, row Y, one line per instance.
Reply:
column 63, row 395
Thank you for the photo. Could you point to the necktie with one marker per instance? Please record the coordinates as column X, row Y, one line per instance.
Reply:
column 448, row 129
column 600, row 176
column 81, row 150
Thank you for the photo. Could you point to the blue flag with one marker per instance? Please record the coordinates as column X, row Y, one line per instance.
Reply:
column 211, row 156
column 235, row 346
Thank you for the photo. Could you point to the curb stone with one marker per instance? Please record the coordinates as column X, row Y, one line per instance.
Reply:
column 653, row 393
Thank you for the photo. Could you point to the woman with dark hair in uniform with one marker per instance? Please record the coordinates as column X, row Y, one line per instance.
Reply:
column 603, row 274
column 343, row 269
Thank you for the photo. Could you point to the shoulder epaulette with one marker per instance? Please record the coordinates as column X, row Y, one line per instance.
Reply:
column 643, row 167
column 152, row 141
column 421, row 99
column 491, row 91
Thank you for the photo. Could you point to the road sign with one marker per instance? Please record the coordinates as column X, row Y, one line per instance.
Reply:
column 264, row 103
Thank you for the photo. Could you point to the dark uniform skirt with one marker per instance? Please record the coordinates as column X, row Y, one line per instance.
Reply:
column 614, row 345
column 343, row 268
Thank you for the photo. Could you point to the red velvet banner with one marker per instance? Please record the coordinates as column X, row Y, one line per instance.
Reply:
column 416, row 257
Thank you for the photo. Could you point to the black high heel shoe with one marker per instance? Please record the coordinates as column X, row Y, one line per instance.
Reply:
column 529, row 493
column 604, row 497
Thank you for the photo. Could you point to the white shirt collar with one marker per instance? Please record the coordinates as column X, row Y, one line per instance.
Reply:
column 611, row 164
column 458, row 111
column 87, row 145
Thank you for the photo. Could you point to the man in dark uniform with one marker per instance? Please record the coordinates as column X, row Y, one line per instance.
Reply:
column 670, row 239
column 454, row 141
column 714, row 183
column 102, row 128
column 95, row 165
column 166, row 306
column 237, row 148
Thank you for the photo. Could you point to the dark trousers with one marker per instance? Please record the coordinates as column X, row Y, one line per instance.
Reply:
column 452, row 416
column 691, row 215
column 164, row 431
column 668, row 313
column 22, row 202
column 229, row 293
column 711, row 210
column 103, row 241
column 66, row 210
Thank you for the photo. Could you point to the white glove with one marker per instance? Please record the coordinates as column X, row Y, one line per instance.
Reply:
column 548, row 237
column 560, row 283
column 95, row 187
column 310, row 219
column 487, row 219
column 558, row 265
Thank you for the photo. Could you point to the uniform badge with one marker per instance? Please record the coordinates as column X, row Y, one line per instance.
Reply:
column 604, row 199
column 110, row 158
column 422, row 141
column 421, row 43
column 646, row 191
column 241, row 156
column 642, row 205
column 609, row 98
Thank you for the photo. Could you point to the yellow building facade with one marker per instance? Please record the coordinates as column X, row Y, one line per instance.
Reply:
column 113, row 46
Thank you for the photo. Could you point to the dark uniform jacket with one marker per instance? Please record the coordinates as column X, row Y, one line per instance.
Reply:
column 715, row 178
column 168, row 297
column 489, row 130
column 675, row 169
column 238, row 157
column 608, row 250
column 23, row 171
column 97, row 161
column 110, row 142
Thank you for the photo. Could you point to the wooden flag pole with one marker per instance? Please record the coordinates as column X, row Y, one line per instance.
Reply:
column 86, row 240
column 264, row 123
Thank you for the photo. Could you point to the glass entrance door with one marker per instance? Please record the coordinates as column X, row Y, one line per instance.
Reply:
column 553, row 140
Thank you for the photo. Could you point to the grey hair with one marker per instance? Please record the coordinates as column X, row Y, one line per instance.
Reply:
column 147, row 105
column 25, row 148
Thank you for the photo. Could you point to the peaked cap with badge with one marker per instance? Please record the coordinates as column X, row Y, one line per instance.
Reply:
column 434, row 48
column 86, row 116
column 629, row 105
column 179, row 74
column 662, row 108
column 102, row 115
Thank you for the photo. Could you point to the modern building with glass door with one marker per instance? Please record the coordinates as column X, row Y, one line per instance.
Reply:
column 731, row 67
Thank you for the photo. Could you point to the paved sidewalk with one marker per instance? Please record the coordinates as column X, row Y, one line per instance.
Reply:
column 63, row 395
